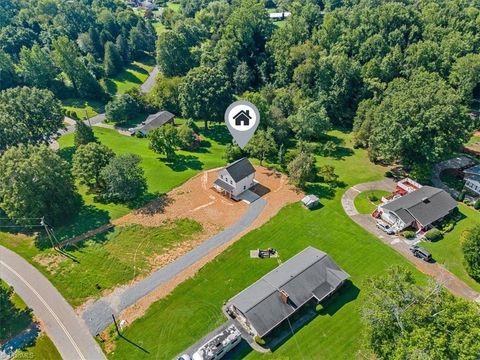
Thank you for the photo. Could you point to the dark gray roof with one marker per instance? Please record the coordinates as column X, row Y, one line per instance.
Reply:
column 474, row 170
column 426, row 205
column 309, row 274
column 240, row 169
column 154, row 121
column 223, row 185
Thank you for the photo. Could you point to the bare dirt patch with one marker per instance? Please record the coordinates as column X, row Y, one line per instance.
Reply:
column 197, row 200
column 50, row 262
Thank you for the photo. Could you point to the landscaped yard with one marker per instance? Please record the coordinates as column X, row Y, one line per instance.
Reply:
column 448, row 251
column 43, row 349
column 105, row 261
column 194, row 307
column 367, row 201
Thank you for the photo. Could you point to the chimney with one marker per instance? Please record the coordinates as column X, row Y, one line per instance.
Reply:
column 284, row 296
column 247, row 112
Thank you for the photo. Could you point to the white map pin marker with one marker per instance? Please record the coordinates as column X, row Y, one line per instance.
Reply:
column 242, row 119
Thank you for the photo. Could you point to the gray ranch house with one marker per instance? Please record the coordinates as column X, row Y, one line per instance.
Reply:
column 235, row 178
column 153, row 121
column 311, row 275
column 418, row 209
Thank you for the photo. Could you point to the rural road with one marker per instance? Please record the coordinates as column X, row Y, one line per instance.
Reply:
column 98, row 315
column 401, row 245
column 65, row 329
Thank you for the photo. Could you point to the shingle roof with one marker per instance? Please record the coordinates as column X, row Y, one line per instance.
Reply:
column 426, row 205
column 154, row 121
column 240, row 169
column 311, row 273
column 474, row 170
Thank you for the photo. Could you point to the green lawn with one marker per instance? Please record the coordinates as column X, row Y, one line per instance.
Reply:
column 365, row 205
column 131, row 76
column 83, row 108
column 105, row 261
column 42, row 349
column 448, row 252
column 194, row 307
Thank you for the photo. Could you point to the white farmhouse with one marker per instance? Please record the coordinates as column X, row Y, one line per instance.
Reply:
column 236, row 178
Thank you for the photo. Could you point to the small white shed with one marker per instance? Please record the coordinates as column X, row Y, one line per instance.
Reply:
column 310, row 201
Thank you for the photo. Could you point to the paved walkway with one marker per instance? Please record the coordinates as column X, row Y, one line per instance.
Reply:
column 401, row 245
column 65, row 329
column 98, row 315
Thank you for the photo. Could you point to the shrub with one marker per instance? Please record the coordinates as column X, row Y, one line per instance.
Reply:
column 373, row 198
column 259, row 340
column 471, row 251
column 433, row 235
column 467, row 202
column 461, row 196
column 388, row 174
column 408, row 234
column 477, row 204
column 447, row 227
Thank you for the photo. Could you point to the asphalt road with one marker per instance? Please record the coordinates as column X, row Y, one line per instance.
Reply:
column 98, row 315
column 65, row 329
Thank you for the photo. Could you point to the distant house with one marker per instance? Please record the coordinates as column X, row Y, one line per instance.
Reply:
column 472, row 179
column 152, row 122
column 235, row 178
column 310, row 201
column 242, row 118
column 277, row 16
column 311, row 275
column 418, row 209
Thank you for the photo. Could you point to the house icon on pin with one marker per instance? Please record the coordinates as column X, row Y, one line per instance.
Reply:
column 242, row 118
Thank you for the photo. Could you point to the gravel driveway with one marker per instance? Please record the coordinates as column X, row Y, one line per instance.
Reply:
column 401, row 245
column 98, row 315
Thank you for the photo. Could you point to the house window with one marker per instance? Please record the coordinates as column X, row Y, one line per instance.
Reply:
column 221, row 176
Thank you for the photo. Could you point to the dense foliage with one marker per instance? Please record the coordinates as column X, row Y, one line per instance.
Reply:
column 405, row 321
column 68, row 46
column 35, row 182
column 471, row 251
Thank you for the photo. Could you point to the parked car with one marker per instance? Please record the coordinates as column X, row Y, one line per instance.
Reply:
column 385, row 227
column 421, row 253
column 184, row 357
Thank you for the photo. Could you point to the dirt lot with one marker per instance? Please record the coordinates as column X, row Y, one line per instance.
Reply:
column 197, row 199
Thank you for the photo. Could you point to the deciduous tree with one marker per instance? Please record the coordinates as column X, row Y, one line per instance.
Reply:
column 471, row 251
column 89, row 161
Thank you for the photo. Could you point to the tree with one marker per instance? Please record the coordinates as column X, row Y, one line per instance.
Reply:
column 175, row 49
column 164, row 140
column 165, row 93
column 83, row 134
column 122, row 46
column 405, row 321
column 419, row 121
column 302, row 169
column 327, row 173
column 141, row 39
column 471, row 251
column 11, row 316
column 187, row 139
column 112, row 60
column 205, row 93
column 121, row 108
column 310, row 122
column 89, row 161
column 262, row 145
column 123, row 178
column 36, row 182
column 36, row 67
column 465, row 76
column 232, row 153
column 28, row 115
column 8, row 76
column 242, row 78
column 66, row 57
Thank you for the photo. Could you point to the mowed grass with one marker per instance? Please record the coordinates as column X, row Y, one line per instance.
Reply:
column 448, row 251
column 105, row 261
column 42, row 349
column 83, row 108
column 130, row 77
column 194, row 307
column 365, row 205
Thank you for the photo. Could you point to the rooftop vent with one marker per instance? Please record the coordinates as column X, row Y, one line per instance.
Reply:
column 284, row 296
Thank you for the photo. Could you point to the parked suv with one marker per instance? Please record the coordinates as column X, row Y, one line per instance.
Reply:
column 421, row 253
column 385, row 227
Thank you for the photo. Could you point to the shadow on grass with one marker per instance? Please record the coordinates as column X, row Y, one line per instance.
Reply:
column 322, row 191
column 348, row 293
column 67, row 153
column 218, row 133
column 183, row 162
column 88, row 218
column 156, row 206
